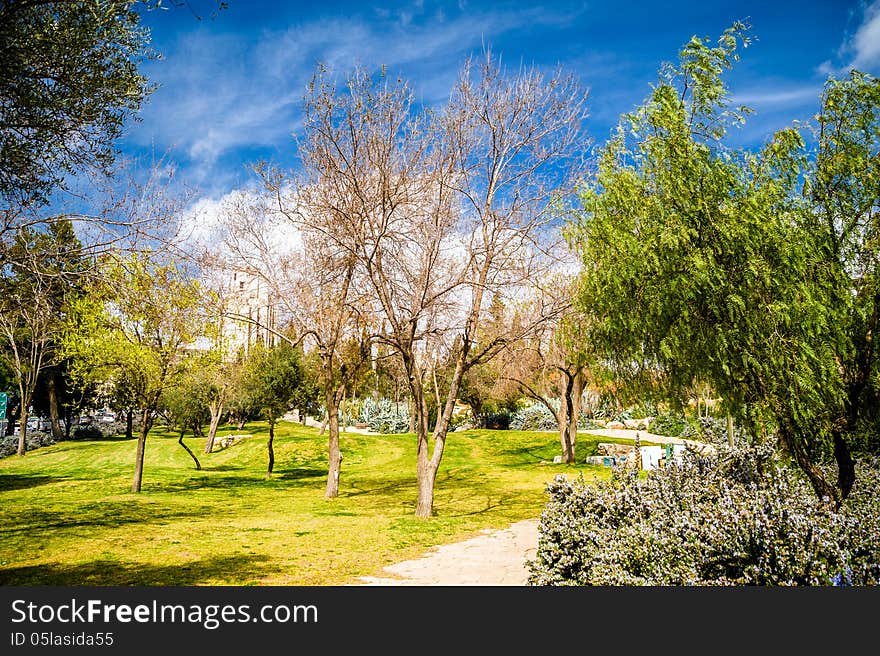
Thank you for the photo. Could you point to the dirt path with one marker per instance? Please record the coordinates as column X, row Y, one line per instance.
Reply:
column 497, row 557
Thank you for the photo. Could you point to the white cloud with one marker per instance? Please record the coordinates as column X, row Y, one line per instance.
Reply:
column 203, row 221
column 206, row 223
column 774, row 98
column 220, row 91
column 866, row 42
column 861, row 49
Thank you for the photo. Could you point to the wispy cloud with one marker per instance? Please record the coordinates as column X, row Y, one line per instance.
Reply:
column 223, row 93
column 776, row 98
column 866, row 41
column 861, row 48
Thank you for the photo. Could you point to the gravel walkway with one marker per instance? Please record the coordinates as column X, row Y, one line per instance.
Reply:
column 494, row 558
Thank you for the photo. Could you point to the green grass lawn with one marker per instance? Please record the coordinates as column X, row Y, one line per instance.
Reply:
column 68, row 517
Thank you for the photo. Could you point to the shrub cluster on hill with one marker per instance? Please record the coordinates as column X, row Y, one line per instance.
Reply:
column 382, row 416
column 536, row 416
column 737, row 518
column 35, row 439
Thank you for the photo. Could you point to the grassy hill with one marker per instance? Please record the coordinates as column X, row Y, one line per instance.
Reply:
column 67, row 516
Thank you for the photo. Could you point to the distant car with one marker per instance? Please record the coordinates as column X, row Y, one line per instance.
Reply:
column 107, row 417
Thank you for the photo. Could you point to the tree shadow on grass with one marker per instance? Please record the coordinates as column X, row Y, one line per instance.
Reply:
column 24, row 481
column 249, row 480
column 103, row 438
column 300, row 472
column 530, row 455
column 385, row 490
column 236, row 569
column 103, row 515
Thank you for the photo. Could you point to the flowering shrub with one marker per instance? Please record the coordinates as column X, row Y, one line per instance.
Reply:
column 737, row 518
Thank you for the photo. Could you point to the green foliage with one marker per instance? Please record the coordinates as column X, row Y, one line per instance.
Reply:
column 670, row 423
column 643, row 410
column 307, row 395
column 133, row 328
column 45, row 273
column 185, row 402
column 68, row 82
column 702, row 263
column 270, row 379
column 739, row 518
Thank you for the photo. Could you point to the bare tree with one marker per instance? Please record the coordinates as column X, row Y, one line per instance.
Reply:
column 313, row 283
column 27, row 321
column 441, row 210
column 550, row 364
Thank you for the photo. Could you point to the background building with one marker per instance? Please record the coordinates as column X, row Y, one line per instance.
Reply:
column 250, row 312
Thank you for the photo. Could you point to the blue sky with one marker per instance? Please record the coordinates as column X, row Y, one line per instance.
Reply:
column 230, row 87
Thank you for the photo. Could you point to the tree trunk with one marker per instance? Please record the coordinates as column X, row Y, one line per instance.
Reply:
column 565, row 417
column 22, row 433
column 271, row 449
column 54, row 415
column 216, row 414
column 426, row 478
column 129, row 424
column 146, row 424
column 729, row 429
column 428, row 468
column 577, row 393
column 187, row 449
column 826, row 492
column 334, row 455
column 846, row 468
column 437, row 397
column 426, row 473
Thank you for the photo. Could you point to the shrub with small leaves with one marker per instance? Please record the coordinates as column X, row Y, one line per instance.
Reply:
column 737, row 518
column 672, row 424
column 35, row 439
column 714, row 431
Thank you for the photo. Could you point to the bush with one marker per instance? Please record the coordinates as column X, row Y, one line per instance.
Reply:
column 34, row 440
column 714, row 431
column 671, row 424
column 533, row 417
column 738, row 518
column 496, row 420
column 536, row 416
column 606, row 407
column 384, row 415
column 643, row 410
column 88, row 432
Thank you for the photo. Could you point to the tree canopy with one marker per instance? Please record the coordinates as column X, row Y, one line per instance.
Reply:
column 69, row 80
column 751, row 270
